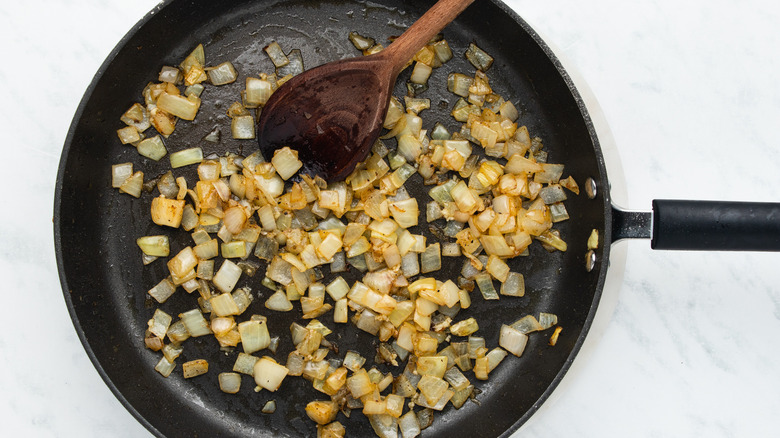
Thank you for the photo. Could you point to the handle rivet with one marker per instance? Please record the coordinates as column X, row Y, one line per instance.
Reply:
column 590, row 188
column 590, row 260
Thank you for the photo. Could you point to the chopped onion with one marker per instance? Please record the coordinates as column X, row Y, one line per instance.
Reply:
column 322, row 412
column 133, row 185
column 485, row 284
column 152, row 148
column 162, row 291
column 420, row 73
column 430, row 260
column 338, row 288
column 154, row 245
column 492, row 211
column 465, row 327
column 229, row 382
column 269, row 374
column 186, row 157
column 120, row 173
column 195, row 368
column 514, row 285
column 258, row 91
column 128, row 135
column 254, row 335
column 245, row 363
column 183, row 107
column 222, row 74
column 279, row 302
column 165, row 367
column 512, row 340
column 227, row 276
column 243, row 127
column 478, row 57
column 269, row 407
column 276, row 54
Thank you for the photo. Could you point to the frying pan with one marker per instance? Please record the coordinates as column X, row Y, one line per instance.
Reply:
column 95, row 227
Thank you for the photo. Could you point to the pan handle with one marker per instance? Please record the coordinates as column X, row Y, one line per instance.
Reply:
column 703, row 225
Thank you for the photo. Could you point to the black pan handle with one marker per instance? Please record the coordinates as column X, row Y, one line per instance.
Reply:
column 703, row 225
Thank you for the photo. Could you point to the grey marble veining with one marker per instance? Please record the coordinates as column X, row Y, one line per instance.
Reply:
column 691, row 96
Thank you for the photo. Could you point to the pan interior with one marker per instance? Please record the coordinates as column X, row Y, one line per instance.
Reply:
column 105, row 283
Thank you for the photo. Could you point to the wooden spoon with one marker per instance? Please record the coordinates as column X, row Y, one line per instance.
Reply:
column 333, row 114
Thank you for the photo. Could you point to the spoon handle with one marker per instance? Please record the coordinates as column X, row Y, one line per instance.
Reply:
column 425, row 28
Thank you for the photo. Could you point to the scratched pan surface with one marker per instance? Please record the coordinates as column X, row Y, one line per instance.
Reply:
column 105, row 283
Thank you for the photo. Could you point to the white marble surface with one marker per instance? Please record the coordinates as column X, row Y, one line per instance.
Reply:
column 690, row 92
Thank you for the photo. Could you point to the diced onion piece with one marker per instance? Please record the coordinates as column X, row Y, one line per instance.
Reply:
column 338, row 288
column 245, row 363
column 254, row 335
column 464, row 198
column 195, row 323
column 459, row 84
column 496, row 245
column 276, row 54
column 322, row 412
column 229, row 382
column 464, row 328
column 547, row 320
column 195, row 368
column 138, row 117
column 243, row 127
column 494, row 357
column 196, row 57
column 420, row 73
column 167, row 212
column 163, row 122
column 405, row 212
column 279, row 302
column 512, row 340
column 183, row 262
column 432, row 388
column 485, row 284
column 409, row 147
column 478, row 57
column 432, row 366
column 258, row 91
column 593, row 239
column 554, row 336
column 128, row 135
column 552, row 194
column 179, row 106
column 224, row 305
column 162, row 290
column 409, row 425
column 269, row 407
column 159, row 323
column 186, row 157
column 430, row 260
column 514, row 285
column 286, row 162
column 152, row 148
column 269, row 374
column 222, row 74
column 353, row 361
column 227, row 276
column 359, row 384
column 120, row 173
column 165, row 367
column 497, row 268
column 133, row 185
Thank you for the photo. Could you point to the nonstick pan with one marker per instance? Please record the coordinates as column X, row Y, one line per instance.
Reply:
column 95, row 227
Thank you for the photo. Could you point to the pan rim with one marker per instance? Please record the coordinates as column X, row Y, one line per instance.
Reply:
column 58, row 250
column 602, row 266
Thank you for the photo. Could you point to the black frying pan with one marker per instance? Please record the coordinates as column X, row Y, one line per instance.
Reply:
column 96, row 227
